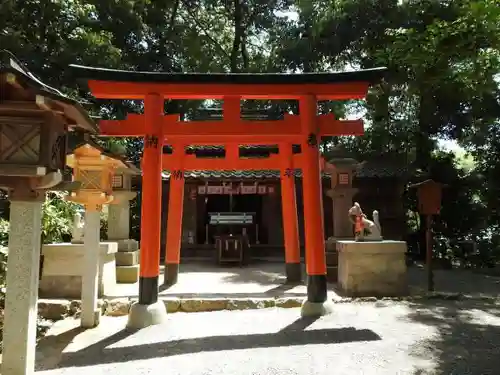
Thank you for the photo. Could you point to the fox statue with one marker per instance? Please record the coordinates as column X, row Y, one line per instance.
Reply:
column 365, row 229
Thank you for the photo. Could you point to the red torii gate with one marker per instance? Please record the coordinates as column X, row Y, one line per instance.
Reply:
column 157, row 128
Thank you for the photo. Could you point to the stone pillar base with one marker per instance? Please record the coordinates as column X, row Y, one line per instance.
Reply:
column 316, row 308
column 142, row 316
column 372, row 269
column 293, row 272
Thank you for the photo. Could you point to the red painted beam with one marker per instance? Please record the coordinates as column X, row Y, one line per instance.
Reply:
column 194, row 132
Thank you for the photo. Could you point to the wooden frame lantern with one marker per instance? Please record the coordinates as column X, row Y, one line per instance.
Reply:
column 429, row 194
column 34, row 121
column 95, row 169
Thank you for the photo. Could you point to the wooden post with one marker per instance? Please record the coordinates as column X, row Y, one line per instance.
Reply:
column 290, row 221
column 429, row 194
column 428, row 242
column 174, row 219
column 313, row 210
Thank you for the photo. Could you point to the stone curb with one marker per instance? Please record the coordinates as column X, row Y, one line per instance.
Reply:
column 57, row 309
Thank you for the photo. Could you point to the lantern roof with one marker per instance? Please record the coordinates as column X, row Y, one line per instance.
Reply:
column 427, row 183
column 19, row 84
column 81, row 140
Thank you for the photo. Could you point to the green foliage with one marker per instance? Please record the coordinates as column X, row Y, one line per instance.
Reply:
column 57, row 218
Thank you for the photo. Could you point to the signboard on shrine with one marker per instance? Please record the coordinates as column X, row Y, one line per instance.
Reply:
column 235, row 190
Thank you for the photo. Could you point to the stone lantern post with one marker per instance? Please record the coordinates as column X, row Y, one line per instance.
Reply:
column 34, row 122
column 342, row 193
column 127, row 257
column 95, row 169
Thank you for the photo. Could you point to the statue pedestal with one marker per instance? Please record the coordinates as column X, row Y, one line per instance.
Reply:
column 372, row 268
column 63, row 268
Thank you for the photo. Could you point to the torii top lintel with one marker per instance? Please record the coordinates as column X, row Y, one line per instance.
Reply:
column 121, row 84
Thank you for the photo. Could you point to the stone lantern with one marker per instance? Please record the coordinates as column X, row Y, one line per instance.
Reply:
column 342, row 193
column 127, row 257
column 34, row 122
column 341, row 170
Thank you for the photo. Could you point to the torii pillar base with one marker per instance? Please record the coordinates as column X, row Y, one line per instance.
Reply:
column 142, row 316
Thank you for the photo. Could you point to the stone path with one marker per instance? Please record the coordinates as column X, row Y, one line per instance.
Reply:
column 263, row 280
column 385, row 337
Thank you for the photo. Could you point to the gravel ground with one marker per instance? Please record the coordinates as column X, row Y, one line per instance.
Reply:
column 393, row 338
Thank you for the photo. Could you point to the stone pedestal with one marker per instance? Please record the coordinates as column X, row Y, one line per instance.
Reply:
column 127, row 257
column 63, row 269
column 19, row 329
column 372, row 268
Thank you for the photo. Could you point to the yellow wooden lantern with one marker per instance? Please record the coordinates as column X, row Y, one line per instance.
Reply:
column 95, row 169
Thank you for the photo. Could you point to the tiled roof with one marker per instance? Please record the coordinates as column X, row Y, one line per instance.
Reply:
column 257, row 174
column 245, row 150
column 382, row 169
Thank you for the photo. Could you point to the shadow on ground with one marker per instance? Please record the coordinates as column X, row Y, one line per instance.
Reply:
column 468, row 339
column 51, row 347
column 294, row 334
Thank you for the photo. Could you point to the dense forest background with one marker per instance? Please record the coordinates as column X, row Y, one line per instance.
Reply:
column 443, row 85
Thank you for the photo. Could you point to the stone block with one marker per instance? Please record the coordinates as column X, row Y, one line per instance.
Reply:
column 127, row 274
column 127, row 258
column 118, row 307
column 127, row 245
column 63, row 267
column 199, row 305
column 54, row 309
column 372, row 268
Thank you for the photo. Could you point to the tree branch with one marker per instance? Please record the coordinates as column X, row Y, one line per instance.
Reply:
column 204, row 29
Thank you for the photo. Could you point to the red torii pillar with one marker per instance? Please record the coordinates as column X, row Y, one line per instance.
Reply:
column 293, row 267
column 150, row 216
column 313, row 210
column 174, row 218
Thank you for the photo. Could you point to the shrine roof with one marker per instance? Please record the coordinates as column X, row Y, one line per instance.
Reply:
column 383, row 168
column 105, row 74
column 236, row 174
column 245, row 150
column 73, row 109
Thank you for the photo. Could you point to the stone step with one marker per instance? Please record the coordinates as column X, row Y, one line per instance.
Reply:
column 332, row 274
column 127, row 258
column 127, row 274
column 332, row 258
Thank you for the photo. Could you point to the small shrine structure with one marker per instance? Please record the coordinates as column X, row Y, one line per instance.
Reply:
column 159, row 129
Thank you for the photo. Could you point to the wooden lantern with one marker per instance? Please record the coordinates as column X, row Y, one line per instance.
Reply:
column 95, row 170
column 429, row 194
column 34, row 121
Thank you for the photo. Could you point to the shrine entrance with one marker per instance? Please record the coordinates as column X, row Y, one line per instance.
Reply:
column 159, row 129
